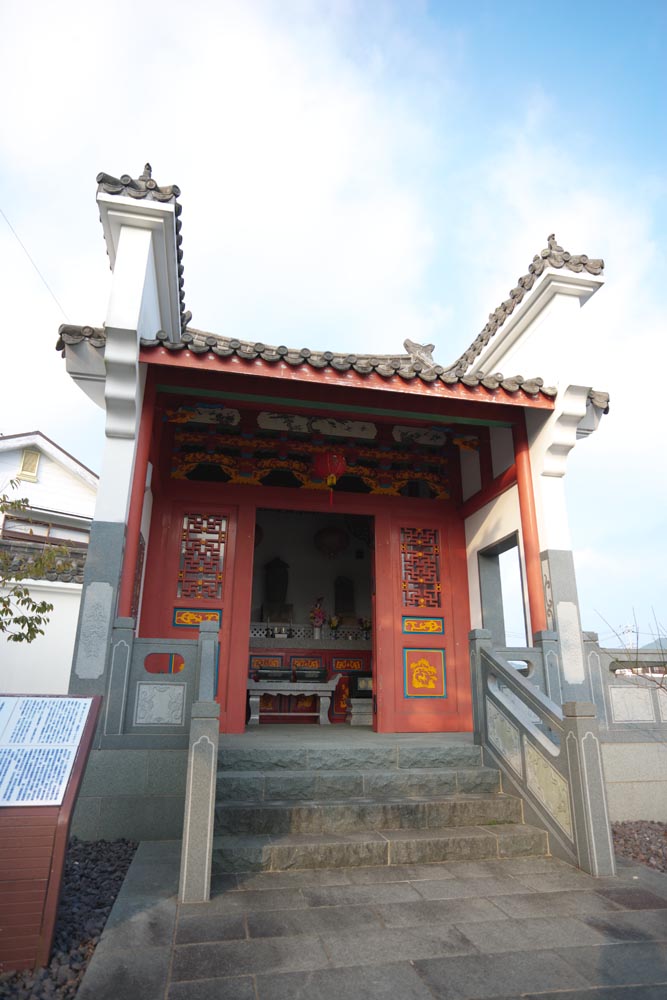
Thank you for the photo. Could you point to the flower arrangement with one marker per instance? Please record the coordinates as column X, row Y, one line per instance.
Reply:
column 365, row 624
column 334, row 622
column 318, row 615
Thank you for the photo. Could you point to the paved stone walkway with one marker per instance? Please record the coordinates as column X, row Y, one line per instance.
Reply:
column 529, row 927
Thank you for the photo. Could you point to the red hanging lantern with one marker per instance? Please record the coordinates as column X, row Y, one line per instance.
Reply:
column 329, row 465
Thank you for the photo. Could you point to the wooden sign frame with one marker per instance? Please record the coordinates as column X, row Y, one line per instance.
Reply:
column 33, row 842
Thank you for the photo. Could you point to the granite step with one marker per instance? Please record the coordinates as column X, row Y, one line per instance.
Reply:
column 376, row 847
column 384, row 756
column 321, row 784
column 347, row 816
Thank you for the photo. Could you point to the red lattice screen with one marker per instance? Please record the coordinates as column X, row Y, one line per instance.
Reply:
column 202, row 557
column 420, row 568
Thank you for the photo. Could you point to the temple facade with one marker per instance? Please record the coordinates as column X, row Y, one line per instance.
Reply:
column 319, row 517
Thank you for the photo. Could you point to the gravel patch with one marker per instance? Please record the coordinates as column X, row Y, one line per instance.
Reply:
column 642, row 841
column 94, row 873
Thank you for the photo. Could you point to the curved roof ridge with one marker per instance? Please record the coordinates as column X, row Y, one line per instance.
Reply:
column 552, row 256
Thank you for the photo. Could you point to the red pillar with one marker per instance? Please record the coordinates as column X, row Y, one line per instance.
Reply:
column 531, row 542
column 136, row 501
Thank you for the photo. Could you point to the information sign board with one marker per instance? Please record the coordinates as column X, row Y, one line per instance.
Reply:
column 39, row 738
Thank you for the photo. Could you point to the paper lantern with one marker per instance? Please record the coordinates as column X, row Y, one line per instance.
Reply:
column 329, row 465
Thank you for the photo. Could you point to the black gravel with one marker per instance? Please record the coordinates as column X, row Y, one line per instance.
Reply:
column 94, row 873
column 642, row 841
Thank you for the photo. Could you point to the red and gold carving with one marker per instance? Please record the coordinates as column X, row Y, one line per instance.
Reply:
column 266, row 662
column 304, row 703
column 192, row 448
column 306, row 663
column 347, row 663
column 202, row 555
column 429, row 626
column 341, row 701
column 420, row 568
column 425, row 673
column 186, row 616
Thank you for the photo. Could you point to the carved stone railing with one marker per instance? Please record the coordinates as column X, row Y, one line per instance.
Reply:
column 153, row 684
column 549, row 756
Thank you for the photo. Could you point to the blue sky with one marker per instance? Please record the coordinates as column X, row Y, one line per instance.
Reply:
column 354, row 173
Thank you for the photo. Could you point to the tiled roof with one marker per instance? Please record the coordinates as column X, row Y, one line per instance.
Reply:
column 144, row 187
column 417, row 363
column 552, row 256
column 68, row 570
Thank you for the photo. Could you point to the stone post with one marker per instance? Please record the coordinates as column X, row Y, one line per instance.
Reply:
column 207, row 661
column 581, row 747
column 563, row 617
column 479, row 638
column 197, row 850
column 549, row 646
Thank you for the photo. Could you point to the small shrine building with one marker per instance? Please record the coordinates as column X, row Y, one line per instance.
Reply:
column 246, row 485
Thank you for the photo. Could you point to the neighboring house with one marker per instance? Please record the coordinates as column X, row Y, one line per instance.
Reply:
column 60, row 494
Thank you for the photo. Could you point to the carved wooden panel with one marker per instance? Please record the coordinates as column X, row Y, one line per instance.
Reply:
column 420, row 568
column 202, row 556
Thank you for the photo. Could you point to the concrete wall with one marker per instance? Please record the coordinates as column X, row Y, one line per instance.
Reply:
column 636, row 780
column 43, row 666
column 138, row 794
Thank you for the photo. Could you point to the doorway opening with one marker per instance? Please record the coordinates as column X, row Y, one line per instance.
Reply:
column 312, row 614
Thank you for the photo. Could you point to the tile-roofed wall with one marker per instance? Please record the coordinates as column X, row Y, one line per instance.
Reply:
column 20, row 554
column 552, row 256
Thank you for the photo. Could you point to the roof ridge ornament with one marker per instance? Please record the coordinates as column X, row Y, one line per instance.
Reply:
column 421, row 355
column 552, row 256
column 142, row 187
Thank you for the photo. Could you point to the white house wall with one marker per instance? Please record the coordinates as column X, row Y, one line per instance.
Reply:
column 43, row 666
column 56, row 488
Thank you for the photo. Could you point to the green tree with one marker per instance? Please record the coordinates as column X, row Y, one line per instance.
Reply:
column 22, row 618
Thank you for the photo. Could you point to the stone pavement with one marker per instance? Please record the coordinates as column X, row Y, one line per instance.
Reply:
column 524, row 927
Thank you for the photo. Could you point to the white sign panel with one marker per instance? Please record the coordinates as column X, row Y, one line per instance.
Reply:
column 39, row 738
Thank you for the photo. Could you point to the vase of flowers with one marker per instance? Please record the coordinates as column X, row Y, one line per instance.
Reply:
column 365, row 626
column 318, row 616
column 334, row 624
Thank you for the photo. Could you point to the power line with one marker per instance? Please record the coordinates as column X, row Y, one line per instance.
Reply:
column 25, row 250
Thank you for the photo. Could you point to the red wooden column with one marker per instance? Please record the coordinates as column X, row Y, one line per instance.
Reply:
column 531, row 542
column 136, row 501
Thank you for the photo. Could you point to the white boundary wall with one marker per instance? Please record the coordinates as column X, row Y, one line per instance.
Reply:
column 43, row 666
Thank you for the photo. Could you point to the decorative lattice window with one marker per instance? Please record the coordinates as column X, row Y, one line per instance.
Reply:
column 202, row 556
column 29, row 465
column 420, row 568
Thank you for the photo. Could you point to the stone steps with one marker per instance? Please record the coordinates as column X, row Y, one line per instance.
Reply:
column 382, row 847
column 333, row 756
column 341, row 803
column 278, row 784
column 348, row 816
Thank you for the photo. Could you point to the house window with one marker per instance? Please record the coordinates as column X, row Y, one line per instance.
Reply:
column 29, row 464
